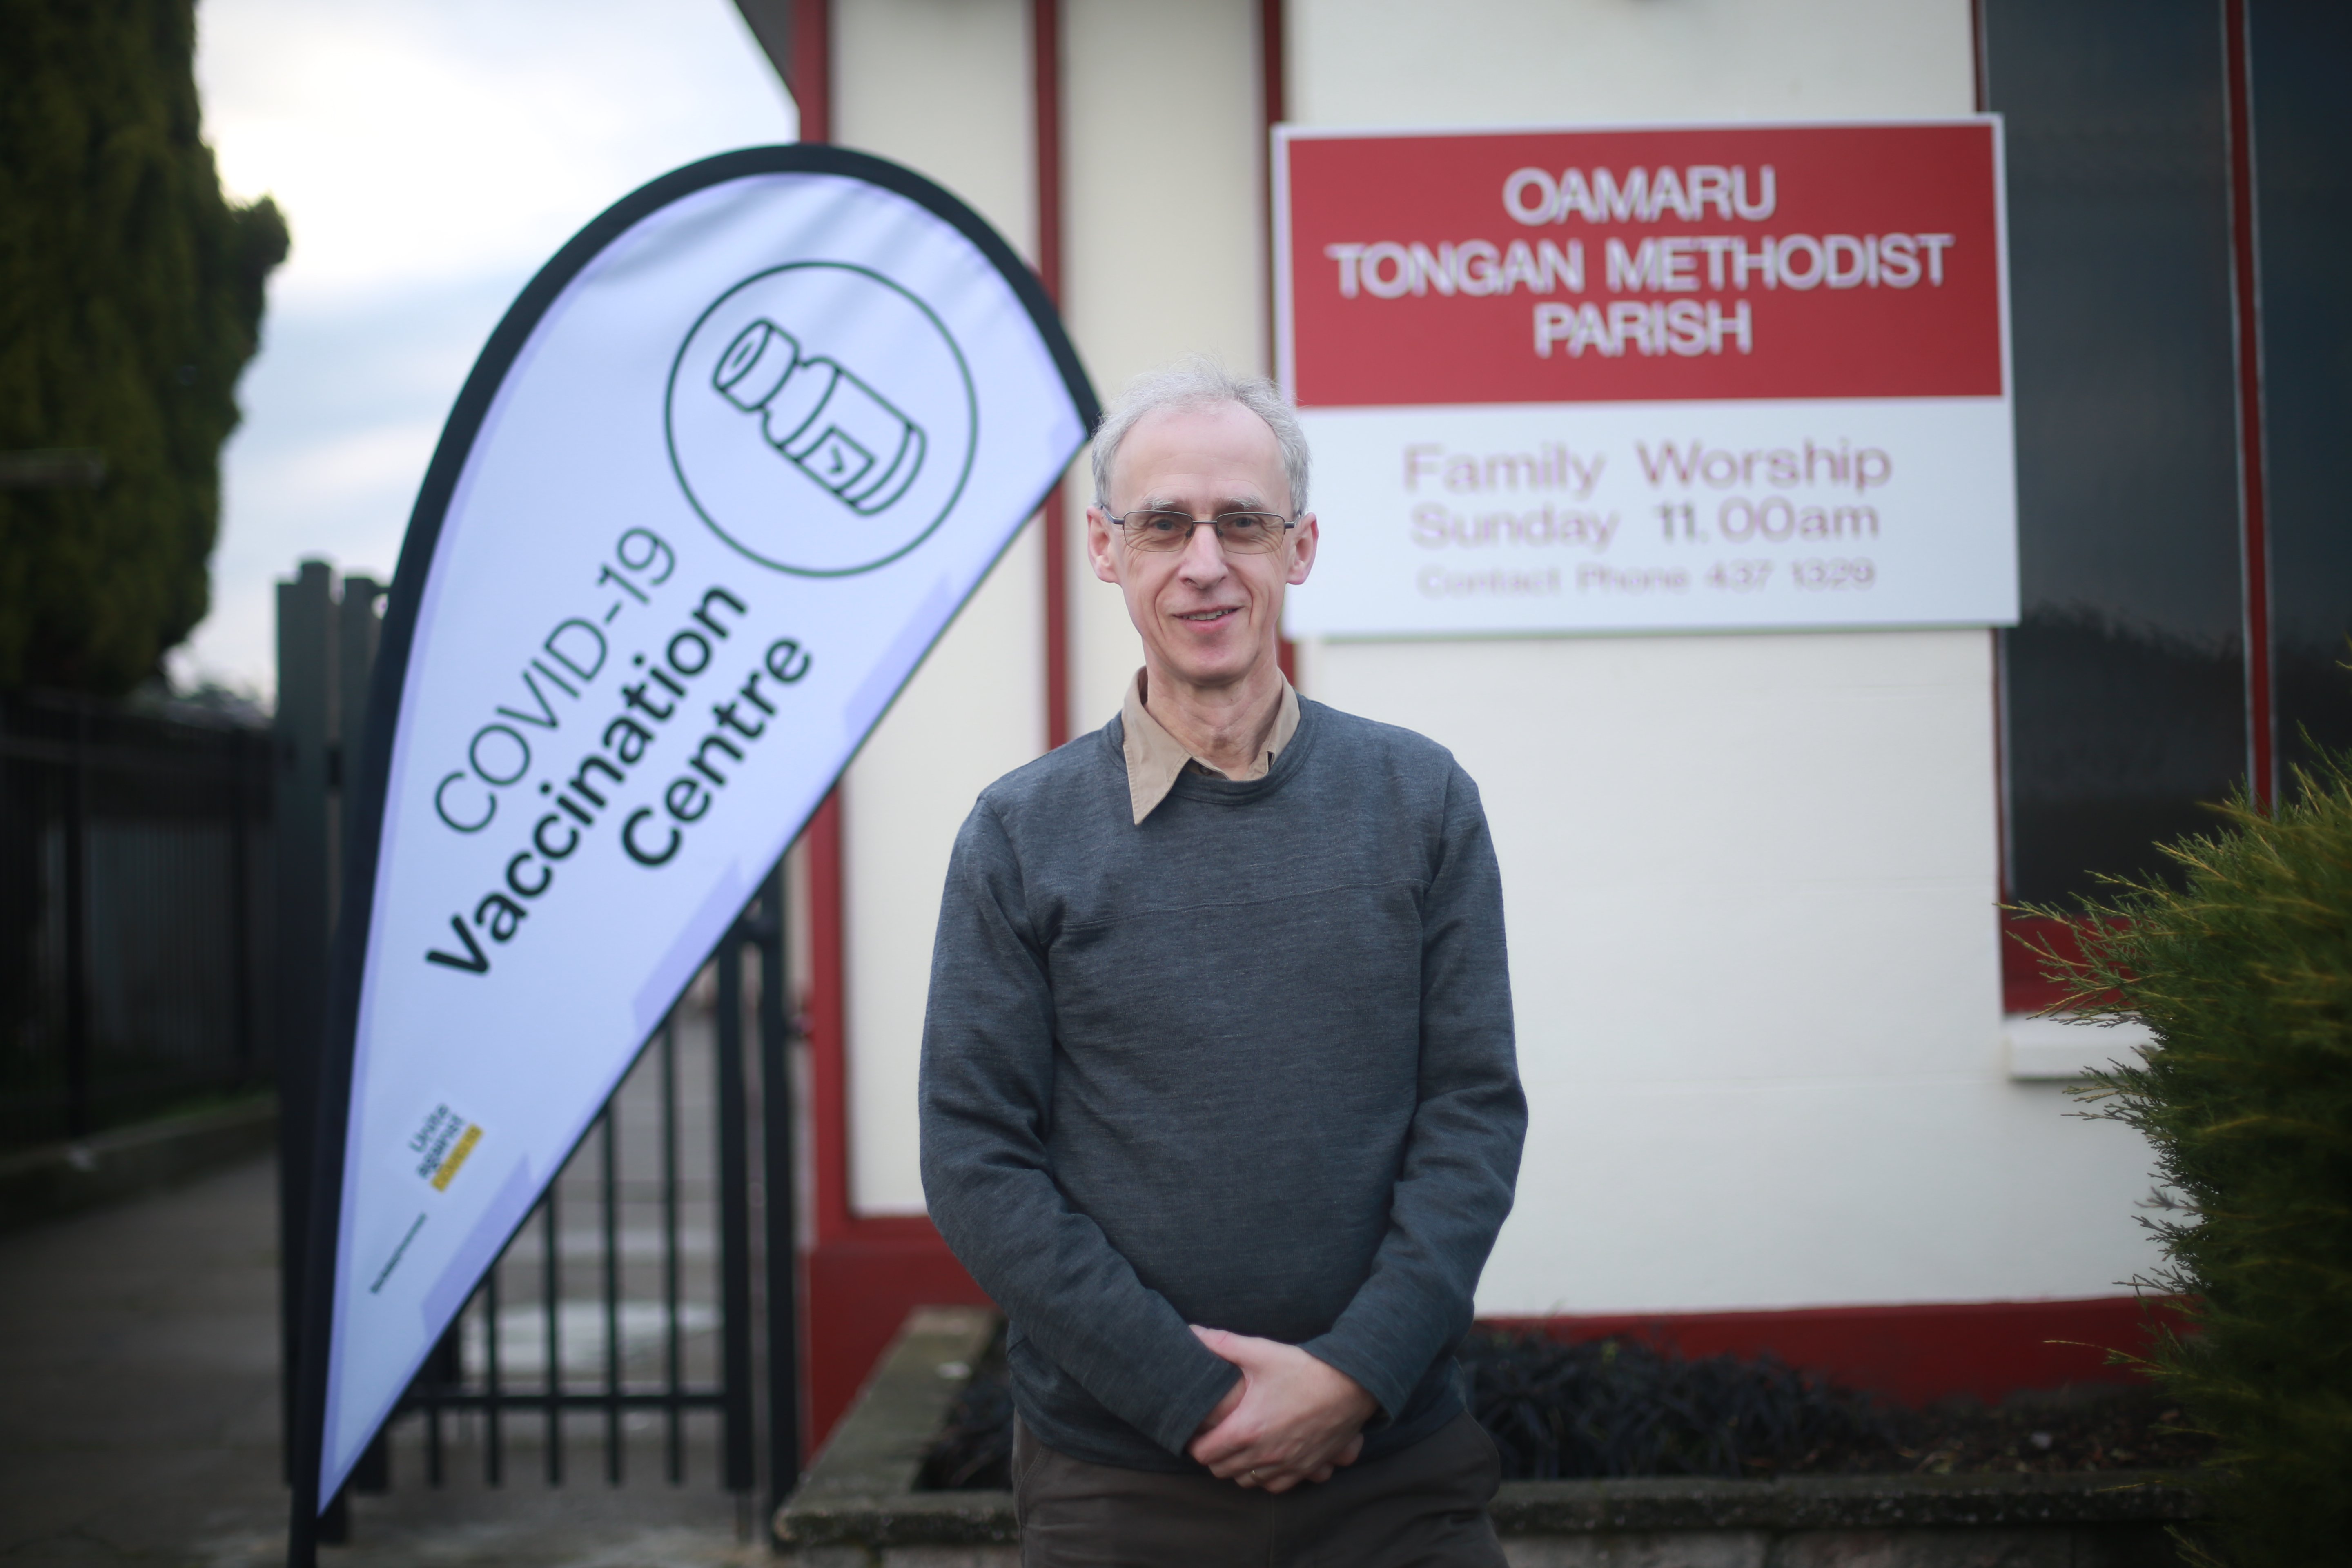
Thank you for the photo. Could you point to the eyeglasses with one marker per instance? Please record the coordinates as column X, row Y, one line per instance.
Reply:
column 1238, row 532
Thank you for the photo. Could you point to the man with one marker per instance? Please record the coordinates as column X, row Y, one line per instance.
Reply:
column 1219, row 1099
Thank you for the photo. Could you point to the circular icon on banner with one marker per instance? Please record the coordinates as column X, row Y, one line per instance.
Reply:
column 820, row 419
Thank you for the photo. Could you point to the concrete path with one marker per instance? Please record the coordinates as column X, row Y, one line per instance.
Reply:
column 139, row 1418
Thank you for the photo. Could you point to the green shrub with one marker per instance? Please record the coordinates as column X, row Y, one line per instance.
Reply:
column 131, row 296
column 2245, row 977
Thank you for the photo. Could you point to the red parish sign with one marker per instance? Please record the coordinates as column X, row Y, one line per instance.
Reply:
column 1626, row 266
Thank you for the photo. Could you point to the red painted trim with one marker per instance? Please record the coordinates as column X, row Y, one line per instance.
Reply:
column 1273, row 104
column 2000, row 762
column 1271, row 57
column 1058, row 619
column 1046, row 116
column 1045, row 119
column 2244, row 251
column 1977, row 54
column 1914, row 1355
column 812, row 56
column 2023, row 987
column 858, row 1293
column 828, row 1023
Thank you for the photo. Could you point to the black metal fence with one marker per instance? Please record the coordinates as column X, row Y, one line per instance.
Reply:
column 601, row 1321
column 135, row 941
column 640, row 1327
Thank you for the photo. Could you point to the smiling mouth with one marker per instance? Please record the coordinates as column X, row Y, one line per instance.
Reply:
column 1208, row 618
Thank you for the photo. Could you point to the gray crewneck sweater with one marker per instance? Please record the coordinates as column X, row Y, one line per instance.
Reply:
column 1246, row 1063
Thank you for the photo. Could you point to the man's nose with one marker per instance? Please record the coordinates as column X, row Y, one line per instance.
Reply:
column 1204, row 555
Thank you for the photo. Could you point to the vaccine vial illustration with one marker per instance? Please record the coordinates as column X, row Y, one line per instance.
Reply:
column 841, row 432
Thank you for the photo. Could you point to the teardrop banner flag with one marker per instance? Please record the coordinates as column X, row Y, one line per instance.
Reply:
column 719, row 480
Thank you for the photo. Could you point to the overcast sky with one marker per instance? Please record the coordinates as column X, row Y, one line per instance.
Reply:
column 429, row 155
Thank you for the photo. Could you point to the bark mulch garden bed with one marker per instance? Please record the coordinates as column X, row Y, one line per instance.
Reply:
column 1617, row 1407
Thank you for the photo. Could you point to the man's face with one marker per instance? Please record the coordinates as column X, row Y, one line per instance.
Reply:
column 1208, row 618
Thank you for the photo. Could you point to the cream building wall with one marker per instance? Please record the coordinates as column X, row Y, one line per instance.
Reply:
column 941, row 86
column 1750, row 878
column 1166, row 249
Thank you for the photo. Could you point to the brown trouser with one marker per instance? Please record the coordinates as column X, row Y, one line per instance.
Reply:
column 1423, row 1507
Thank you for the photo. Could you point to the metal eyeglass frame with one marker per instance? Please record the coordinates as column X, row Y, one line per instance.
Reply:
column 1197, row 523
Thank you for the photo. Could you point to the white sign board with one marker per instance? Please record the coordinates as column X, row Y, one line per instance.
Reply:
column 1729, row 378
column 717, row 484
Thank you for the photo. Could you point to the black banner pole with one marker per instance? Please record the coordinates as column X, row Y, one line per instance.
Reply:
column 782, row 1202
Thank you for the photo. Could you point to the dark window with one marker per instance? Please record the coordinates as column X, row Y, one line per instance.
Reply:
column 2156, row 523
column 2123, row 684
column 2127, row 699
column 2303, row 136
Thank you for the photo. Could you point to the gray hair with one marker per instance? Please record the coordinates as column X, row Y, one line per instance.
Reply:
column 1198, row 382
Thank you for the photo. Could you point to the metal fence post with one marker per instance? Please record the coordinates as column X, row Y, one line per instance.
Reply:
column 304, row 833
column 358, row 629
column 242, row 946
column 734, row 1217
column 118, row 824
column 78, row 1120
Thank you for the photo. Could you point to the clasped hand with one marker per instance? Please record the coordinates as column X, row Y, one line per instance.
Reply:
column 1291, row 1417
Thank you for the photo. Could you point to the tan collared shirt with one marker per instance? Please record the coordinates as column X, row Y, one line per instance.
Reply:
column 1155, row 759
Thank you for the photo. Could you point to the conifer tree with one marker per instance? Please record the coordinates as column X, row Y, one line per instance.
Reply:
column 131, row 297
column 2245, row 974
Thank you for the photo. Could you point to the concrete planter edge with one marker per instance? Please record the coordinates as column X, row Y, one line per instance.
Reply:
column 860, row 1493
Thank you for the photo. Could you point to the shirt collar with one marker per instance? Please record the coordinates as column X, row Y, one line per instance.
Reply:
column 1156, row 759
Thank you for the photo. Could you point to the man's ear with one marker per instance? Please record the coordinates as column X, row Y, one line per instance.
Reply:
column 1303, row 540
column 1099, row 546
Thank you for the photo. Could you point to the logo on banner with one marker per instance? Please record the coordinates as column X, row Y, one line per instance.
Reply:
column 821, row 419
column 444, row 1144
